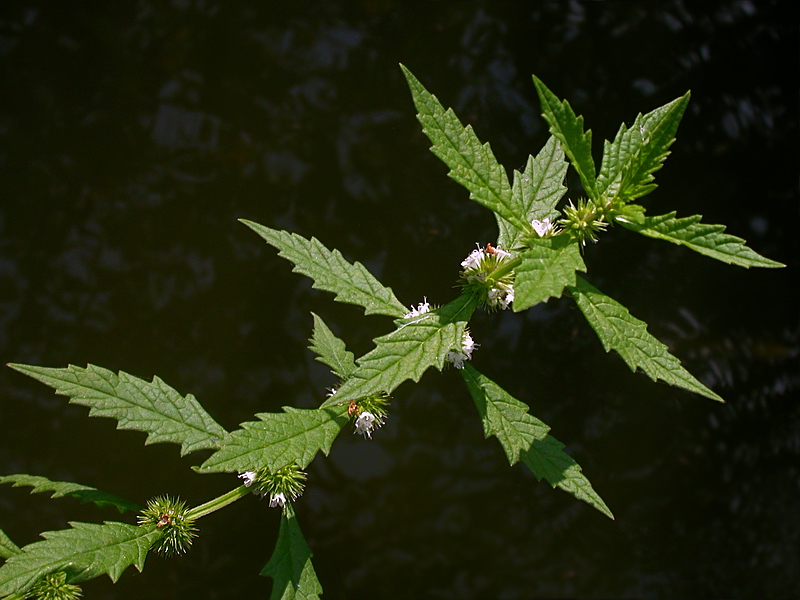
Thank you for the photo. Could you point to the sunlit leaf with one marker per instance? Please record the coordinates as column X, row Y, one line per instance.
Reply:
column 567, row 127
column 330, row 350
column 628, row 336
column 471, row 163
column 526, row 438
column 85, row 551
column 536, row 190
column 352, row 283
column 66, row 488
column 407, row 352
column 546, row 268
column 278, row 439
column 636, row 153
column 7, row 547
column 152, row 407
column 700, row 237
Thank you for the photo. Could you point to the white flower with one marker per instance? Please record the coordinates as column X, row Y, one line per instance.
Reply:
column 542, row 227
column 277, row 500
column 457, row 357
column 249, row 477
column 421, row 309
column 468, row 345
column 366, row 423
column 507, row 299
column 502, row 296
column 474, row 258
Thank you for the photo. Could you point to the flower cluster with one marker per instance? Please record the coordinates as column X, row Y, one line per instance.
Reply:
column 486, row 271
column 285, row 484
column 583, row 221
column 171, row 517
column 457, row 357
column 54, row 587
column 422, row 308
column 369, row 412
column 366, row 423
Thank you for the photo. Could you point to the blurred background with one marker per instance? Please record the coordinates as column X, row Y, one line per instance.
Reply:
column 133, row 136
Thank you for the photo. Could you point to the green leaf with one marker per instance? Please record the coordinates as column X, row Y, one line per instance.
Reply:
column 351, row 282
column 700, row 237
column 290, row 565
column 408, row 351
column 66, row 488
column 277, row 440
column 331, row 350
column 628, row 336
column 525, row 437
column 546, row 268
column 568, row 129
column 636, row 153
column 83, row 552
column 7, row 547
column 471, row 163
column 154, row 408
column 537, row 190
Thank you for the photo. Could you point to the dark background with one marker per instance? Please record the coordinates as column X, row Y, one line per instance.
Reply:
column 134, row 134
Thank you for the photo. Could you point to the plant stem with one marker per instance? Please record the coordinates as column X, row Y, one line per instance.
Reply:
column 218, row 502
column 503, row 270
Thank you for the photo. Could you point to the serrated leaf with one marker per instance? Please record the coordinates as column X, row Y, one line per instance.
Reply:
column 7, row 547
column 277, row 440
column 546, row 268
column 618, row 330
column 408, row 351
column 537, row 190
column 331, row 350
column 351, row 283
column 525, row 437
column 83, row 552
column 700, row 237
column 66, row 488
column 154, row 408
column 290, row 565
column 547, row 459
column 568, row 129
column 636, row 153
column 471, row 163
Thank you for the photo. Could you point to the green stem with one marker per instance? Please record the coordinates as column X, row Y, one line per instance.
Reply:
column 504, row 270
column 217, row 503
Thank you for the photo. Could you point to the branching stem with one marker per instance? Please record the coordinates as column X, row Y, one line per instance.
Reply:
column 218, row 502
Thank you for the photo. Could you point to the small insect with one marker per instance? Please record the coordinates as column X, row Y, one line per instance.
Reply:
column 165, row 519
column 352, row 408
column 490, row 249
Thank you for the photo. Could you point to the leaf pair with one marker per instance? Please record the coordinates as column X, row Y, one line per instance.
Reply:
column 626, row 174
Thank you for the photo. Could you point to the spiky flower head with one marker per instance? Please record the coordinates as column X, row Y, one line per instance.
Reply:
column 54, row 587
column 487, row 273
column 284, row 485
column 170, row 516
column 369, row 413
column 583, row 221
